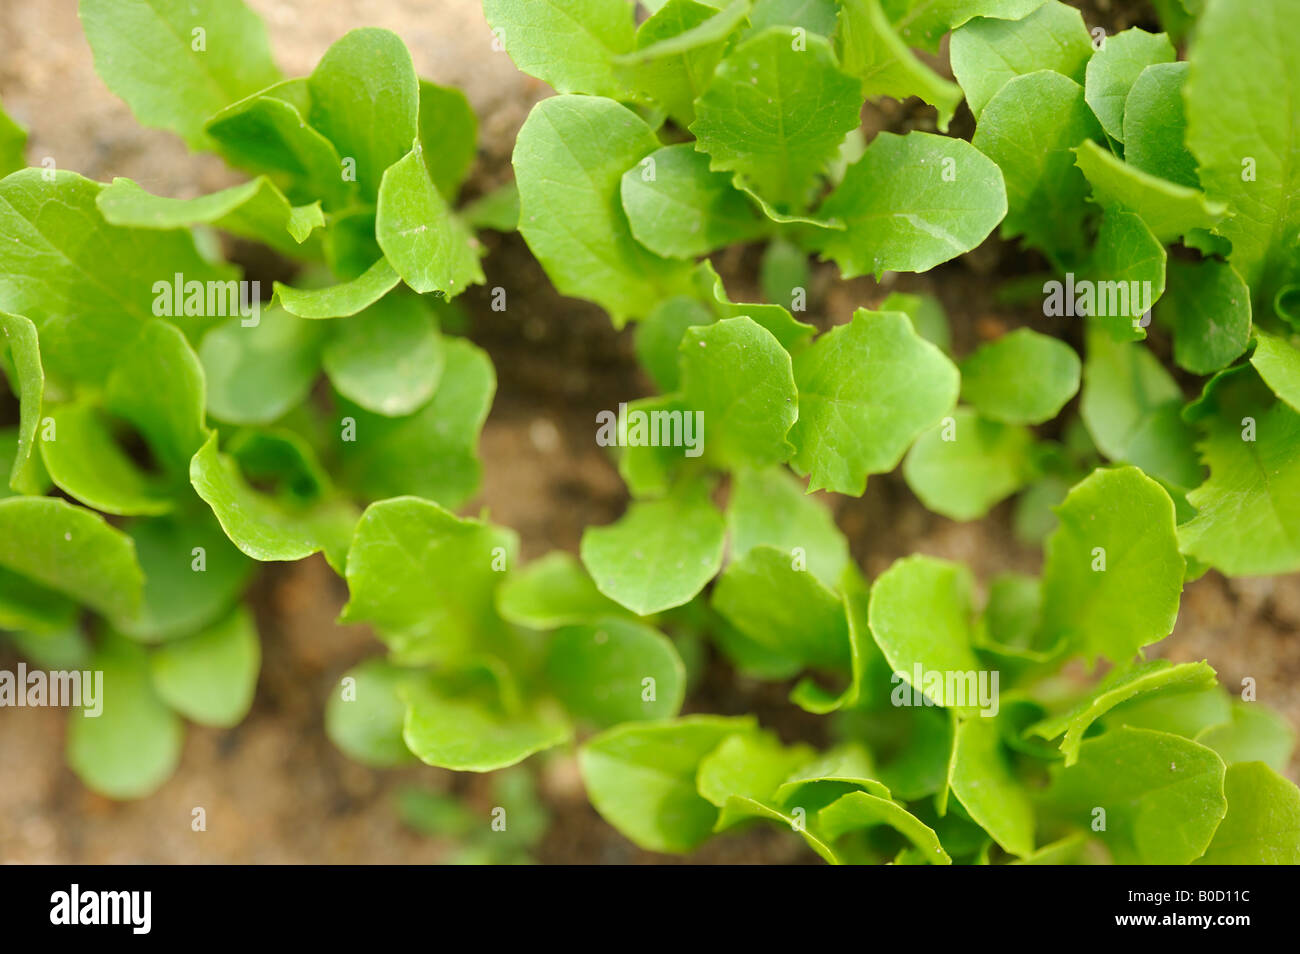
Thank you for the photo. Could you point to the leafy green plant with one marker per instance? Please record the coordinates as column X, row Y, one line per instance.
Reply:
column 1012, row 719
column 156, row 387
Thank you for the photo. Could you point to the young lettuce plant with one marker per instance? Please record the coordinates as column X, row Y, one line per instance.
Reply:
column 125, row 340
column 705, row 127
column 1151, row 181
column 1151, row 764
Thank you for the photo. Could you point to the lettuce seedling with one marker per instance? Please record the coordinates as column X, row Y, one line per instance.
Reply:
column 615, row 206
column 152, row 385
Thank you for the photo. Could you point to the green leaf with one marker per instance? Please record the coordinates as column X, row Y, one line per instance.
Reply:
column 750, row 765
column 421, row 237
column 448, row 126
column 963, row 471
column 924, row 22
column 267, row 132
column 1163, row 795
column 462, row 723
column 86, row 285
column 364, row 717
column 432, row 452
column 266, row 527
column 497, row 210
column 365, row 98
column 255, row 210
column 677, row 50
column 787, row 611
column 792, row 333
column 425, row 577
column 1112, row 574
column 858, row 810
column 569, row 160
column 775, row 115
column 615, row 671
column 86, row 462
column 65, row 648
column 1235, row 115
column 910, row 203
column 871, row 50
column 1248, row 511
column 927, row 314
column 1029, row 128
column 1126, row 277
column 660, row 553
column 1112, row 72
column 1022, row 378
column 982, row 780
column 569, row 44
column 1132, row 406
column 641, row 778
column 1012, row 617
column 256, row 373
column 341, row 300
column 1169, row 210
column 134, row 744
column 1255, row 734
column 176, row 62
column 72, row 551
column 986, row 53
column 1278, row 363
column 815, row 16
column 551, row 592
column 20, row 346
column 1262, row 824
column 768, row 507
column 659, row 336
column 13, row 141
column 169, row 413
column 921, row 616
column 1120, row 685
column 1208, row 306
column 678, row 208
column 389, row 358
column 867, row 390
column 210, row 677
column 1155, row 128
column 192, row 575
column 784, row 272
column 1186, row 712
column 736, row 375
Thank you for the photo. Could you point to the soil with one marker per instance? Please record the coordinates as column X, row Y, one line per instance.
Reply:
column 274, row 789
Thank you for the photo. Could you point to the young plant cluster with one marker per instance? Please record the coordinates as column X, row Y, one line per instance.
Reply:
column 343, row 418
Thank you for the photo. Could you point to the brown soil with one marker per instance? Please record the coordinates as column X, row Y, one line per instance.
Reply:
column 274, row 789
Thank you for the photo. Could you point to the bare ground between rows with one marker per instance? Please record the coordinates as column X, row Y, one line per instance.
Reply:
column 273, row 788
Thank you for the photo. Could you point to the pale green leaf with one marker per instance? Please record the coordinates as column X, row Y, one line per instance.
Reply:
column 1163, row 795
column 365, row 98
column 1113, row 70
column 775, row 115
column 660, row 553
column 910, row 203
column 867, row 390
column 569, row 160
column 209, row 677
column 176, row 62
column 963, row 470
column 1112, row 574
column 986, row 52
